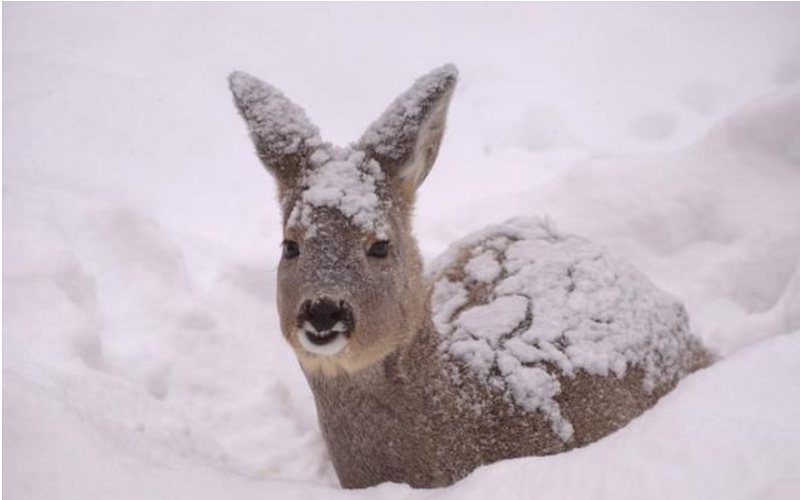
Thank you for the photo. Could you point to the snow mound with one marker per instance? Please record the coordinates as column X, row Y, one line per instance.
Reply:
column 522, row 304
column 142, row 355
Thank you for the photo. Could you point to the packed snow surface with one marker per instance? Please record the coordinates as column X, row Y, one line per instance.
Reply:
column 142, row 356
column 521, row 303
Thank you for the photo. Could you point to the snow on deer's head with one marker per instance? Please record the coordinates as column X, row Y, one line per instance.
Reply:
column 350, row 287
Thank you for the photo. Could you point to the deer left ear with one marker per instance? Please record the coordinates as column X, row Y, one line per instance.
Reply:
column 405, row 140
column 283, row 135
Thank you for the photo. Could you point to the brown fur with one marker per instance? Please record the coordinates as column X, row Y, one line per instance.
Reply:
column 404, row 420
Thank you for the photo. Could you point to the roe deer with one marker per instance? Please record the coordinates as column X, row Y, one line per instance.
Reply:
column 520, row 341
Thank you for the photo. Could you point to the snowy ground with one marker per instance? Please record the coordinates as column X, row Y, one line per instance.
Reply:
column 141, row 352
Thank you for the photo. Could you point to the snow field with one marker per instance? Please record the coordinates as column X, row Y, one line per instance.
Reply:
column 142, row 357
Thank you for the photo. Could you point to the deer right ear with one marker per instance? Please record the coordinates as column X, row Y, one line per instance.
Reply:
column 283, row 135
column 405, row 139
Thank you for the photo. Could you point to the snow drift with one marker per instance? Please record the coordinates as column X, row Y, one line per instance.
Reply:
column 122, row 362
column 142, row 356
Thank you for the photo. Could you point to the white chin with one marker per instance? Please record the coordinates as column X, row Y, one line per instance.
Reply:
column 329, row 349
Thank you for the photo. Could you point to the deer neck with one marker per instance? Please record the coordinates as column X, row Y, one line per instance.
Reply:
column 408, row 369
column 380, row 421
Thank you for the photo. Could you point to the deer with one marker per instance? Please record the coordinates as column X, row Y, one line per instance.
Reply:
column 520, row 340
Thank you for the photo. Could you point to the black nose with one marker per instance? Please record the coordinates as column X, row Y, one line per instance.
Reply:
column 324, row 314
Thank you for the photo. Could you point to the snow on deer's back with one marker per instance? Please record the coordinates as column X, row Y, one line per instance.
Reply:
column 524, row 306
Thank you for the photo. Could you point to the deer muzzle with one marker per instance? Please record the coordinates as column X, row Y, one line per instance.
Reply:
column 324, row 325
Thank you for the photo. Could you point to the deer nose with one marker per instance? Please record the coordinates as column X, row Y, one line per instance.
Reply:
column 327, row 317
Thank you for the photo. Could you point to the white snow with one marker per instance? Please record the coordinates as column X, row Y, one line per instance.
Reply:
column 328, row 176
column 483, row 267
column 142, row 356
column 390, row 133
column 274, row 121
column 555, row 300
column 345, row 180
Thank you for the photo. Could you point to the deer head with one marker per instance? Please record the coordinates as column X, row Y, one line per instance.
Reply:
column 350, row 286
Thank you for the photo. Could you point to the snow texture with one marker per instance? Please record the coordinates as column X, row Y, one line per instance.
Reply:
column 338, row 178
column 392, row 135
column 521, row 304
column 278, row 126
column 345, row 180
column 348, row 179
column 142, row 357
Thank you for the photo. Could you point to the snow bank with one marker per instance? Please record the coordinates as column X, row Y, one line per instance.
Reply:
column 142, row 356
column 101, row 299
column 726, row 432
column 133, row 350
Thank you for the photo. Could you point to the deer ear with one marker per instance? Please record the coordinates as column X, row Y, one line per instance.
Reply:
column 283, row 135
column 405, row 139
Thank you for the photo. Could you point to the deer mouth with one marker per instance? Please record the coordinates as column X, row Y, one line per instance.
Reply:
column 324, row 343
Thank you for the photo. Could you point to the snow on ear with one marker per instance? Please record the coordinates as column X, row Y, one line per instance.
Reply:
column 283, row 135
column 405, row 139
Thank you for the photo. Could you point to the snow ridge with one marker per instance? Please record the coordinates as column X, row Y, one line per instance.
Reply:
column 522, row 304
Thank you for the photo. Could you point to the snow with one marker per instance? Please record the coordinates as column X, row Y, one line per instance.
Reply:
column 279, row 126
column 142, row 356
column 345, row 180
column 390, row 134
column 545, row 303
column 329, row 176
column 483, row 267
column 291, row 147
column 726, row 432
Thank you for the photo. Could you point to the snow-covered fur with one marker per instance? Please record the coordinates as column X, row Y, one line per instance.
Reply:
column 520, row 341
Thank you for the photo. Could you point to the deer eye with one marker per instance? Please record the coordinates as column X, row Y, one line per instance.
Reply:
column 290, row 249
column 379, row 249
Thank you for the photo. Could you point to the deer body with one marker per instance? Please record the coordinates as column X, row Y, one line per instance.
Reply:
column 393, row 422
column 522, row 341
